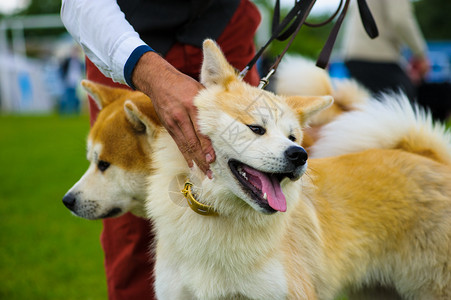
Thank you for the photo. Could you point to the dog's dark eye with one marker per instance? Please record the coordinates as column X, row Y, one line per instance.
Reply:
column 103, row 165
column 257, row 129
column 292, row 138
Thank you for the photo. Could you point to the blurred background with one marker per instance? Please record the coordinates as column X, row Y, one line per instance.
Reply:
column 45, row 253
column 40, row 65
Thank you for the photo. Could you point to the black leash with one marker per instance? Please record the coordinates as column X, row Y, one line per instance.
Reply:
column 280, row 31
column 292, row 23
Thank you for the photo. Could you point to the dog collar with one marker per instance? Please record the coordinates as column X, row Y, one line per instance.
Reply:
column 195, row 205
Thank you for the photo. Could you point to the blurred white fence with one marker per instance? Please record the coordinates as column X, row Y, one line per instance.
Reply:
column 24, row 82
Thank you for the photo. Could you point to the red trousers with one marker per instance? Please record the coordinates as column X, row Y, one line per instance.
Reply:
column 126, row 240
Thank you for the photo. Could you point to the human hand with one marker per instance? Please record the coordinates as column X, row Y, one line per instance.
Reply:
column 172, row 94
column 418, row 68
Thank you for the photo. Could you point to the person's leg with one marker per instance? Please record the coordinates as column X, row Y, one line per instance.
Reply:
column 402, row 82
column 126, row 242
column 381, row 77
column 72, row 102
column 368, row 74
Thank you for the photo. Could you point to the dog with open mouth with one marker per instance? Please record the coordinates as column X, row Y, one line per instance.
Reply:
column 272, row 224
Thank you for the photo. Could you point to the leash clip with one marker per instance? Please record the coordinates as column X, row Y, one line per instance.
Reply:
column 265, row 80
column 243, row 73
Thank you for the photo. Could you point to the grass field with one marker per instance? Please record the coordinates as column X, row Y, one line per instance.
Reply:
column 45, row 252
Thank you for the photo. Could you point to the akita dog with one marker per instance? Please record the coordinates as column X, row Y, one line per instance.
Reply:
column 118, row 149
column 378, row 216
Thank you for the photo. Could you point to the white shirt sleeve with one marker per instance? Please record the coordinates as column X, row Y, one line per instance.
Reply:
column 101, row 29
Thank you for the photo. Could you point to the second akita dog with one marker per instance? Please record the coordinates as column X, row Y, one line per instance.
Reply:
column 118, row 149
column 379, row 216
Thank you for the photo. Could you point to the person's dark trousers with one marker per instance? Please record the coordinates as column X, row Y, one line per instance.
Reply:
column 381, row 77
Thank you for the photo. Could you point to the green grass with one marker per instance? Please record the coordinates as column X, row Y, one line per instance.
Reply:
column 45, row 252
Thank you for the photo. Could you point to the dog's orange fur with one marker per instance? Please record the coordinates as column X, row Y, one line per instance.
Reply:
column 119, row 132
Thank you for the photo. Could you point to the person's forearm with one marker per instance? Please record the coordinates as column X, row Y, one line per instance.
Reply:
column 152, row 71
column 103, row 32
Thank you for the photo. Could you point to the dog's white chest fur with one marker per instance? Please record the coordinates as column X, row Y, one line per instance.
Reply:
column 179, row 280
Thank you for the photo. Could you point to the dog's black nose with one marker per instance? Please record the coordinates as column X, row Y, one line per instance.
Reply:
column 296, row 155
column 69, row 200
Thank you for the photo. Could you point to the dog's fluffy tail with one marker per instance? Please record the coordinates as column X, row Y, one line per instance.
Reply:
column 390, row 123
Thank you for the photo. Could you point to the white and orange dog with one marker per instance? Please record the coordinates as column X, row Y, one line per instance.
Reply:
column 281, row 229
column 118, row 149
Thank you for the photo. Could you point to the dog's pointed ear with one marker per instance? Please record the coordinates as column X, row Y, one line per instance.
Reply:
column 139, row 119
column 215, row 68
column 307, row 106
column 101, row 94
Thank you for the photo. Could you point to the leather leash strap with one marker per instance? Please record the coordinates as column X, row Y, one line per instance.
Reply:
column 292, row 23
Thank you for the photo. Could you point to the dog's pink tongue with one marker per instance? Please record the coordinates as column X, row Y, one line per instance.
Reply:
column 269, row 185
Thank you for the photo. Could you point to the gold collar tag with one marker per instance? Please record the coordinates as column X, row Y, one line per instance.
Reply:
column 195, row 205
